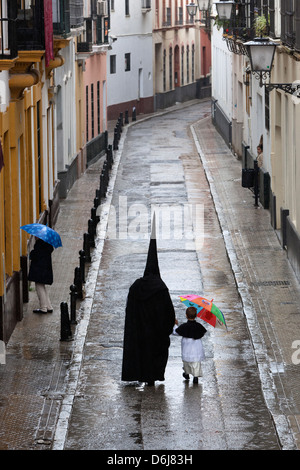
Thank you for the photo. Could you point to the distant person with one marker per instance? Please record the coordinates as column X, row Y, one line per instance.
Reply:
column 192, row 351
column 149, row 321
column 41, row 273
column 260, row 157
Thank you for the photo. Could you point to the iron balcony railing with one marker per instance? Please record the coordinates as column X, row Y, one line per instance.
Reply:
column 61, row 17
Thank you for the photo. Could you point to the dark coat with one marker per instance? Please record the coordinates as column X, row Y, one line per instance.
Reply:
column 149, row 322
column 191, row 329
column 41, row 264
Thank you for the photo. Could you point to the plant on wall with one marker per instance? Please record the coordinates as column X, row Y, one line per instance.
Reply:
column 261, row 26
column 221, row 23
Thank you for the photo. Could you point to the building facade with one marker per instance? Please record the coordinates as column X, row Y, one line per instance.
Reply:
column 248, row 112
column 158, row 56
column 50, row 52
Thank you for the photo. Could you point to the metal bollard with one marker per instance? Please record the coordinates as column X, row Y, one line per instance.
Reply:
column 91, row 232
column 121, row 119
column 96, row 202
column 102, row 184
column 95, row 218
column 126, row 117
column 120, row 124
column 65, row 326
column 86, row 247
column 115, row 142
column 256, row 187
column 111, row 156
column 73, row 297
column 78, row 282
column 82, row 264
column 134, row 113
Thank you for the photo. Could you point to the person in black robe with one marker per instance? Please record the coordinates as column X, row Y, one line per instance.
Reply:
column 41, row 273
column 149, row 321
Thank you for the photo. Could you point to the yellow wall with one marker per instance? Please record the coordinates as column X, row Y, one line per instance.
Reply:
column 19, row 192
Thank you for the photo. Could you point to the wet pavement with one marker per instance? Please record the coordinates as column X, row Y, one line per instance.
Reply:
column 69, row 395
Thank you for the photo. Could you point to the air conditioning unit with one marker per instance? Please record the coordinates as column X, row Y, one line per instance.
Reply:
column 146, row 4
column 102, row 7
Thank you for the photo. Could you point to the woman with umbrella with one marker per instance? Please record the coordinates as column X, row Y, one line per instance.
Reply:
column 40, row 270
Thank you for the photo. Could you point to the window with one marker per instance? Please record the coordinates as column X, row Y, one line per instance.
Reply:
column 113, row 64
column 182, row 65
column 98, row 106
column 127, row 62
column 164, row 71
column 193, row 63
column 112, row 5
column 126, row 7
column 171, row 67
column 187, row 64
column 87, row 113
column 267, row 109
column 92, row 110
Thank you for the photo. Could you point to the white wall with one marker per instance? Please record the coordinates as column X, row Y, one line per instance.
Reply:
column 221, row 72
column 134, row 36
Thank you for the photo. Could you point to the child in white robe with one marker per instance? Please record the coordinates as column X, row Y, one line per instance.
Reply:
column 192, row 351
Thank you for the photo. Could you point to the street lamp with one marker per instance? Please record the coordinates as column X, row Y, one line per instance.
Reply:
column 202, row 5
column 224, row 9
column 261, row 53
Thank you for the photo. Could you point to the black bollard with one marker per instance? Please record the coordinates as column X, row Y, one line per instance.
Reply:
column 111, row 156
column 82, row 264
column 86, row 247
column 78, row 282
column 102, row 184
column 256, row 187
column 105, row 138
column 134, row 113
column 120, row 124
column 73, row 297
column 91, row 232
column 95, row 218
column 121, row 119
column 65, row 326
column 96, row 202
column 126, row 117
column 115, row 142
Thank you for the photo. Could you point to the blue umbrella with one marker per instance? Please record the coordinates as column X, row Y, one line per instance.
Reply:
column 44, row 232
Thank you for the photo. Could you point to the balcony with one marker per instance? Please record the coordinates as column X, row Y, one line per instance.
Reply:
column 83, row 47
column 76, row 13
column 61, row 17
column 30, row 25
column 8, row 39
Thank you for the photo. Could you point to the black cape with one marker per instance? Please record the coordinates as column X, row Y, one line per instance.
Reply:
column 191, row 329
column 41, row 263
column 149, row 322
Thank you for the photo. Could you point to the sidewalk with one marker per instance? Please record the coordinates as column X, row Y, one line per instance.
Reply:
column 267, row 285
column 32, row 381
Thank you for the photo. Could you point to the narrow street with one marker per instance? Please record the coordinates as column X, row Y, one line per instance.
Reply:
column 160, row 168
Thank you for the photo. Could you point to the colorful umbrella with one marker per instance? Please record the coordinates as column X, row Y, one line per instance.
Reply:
column 206, row 310
column 44, row 232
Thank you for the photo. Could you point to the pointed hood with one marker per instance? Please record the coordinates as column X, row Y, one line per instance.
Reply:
column 152, row 267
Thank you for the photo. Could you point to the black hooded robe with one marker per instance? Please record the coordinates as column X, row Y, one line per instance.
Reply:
column 149, row 321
